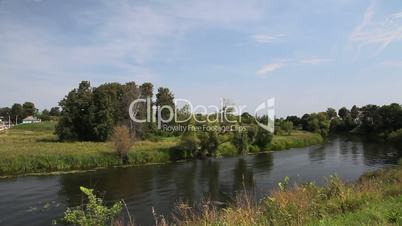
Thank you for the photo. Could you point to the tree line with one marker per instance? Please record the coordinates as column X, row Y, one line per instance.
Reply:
column 17, row 112
column 384, row 122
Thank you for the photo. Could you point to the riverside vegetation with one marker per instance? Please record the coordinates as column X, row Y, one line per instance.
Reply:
column 33, row 148
column 82, row 133
column 375, row 199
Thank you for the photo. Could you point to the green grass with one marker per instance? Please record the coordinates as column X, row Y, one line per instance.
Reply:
column 376, row 199
column 33, row 148
column 297, row 139
column 377, row 213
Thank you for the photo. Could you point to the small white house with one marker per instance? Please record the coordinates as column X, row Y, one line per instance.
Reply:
column 30, row 119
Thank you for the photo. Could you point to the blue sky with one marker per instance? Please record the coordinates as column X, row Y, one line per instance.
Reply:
column 309, row 55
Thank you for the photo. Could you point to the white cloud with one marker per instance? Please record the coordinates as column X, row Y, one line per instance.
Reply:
column 266, row 38
column 118, row 44
column 315, row 60
column 268, row 68
column 378, row 33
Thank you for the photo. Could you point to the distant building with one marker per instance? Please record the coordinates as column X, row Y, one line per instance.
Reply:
column 30, row 119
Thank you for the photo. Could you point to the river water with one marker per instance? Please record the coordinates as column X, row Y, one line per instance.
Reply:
column 37, row 200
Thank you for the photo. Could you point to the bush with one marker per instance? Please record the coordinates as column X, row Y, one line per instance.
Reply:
column 190, row 143
column 226, row 149
column 122, row 141
column 263, row 138
column 92, row 213
column 396, row 137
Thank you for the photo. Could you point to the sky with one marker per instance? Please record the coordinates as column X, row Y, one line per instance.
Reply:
column 308, row 55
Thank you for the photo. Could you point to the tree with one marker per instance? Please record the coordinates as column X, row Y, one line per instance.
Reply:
column 295, row 120
column 77, row 116
column 343, row 112
column 107, row 109
column 28, row 109
column 54, row 111
column 263, row 138
column 131, row 92
column 370, row 118
column 45, row 115
column 16, row 113
column 240, row 141
column 354, row 112
column 287, row 126
column 165, row 98
column 252, row 133
column 209, row 142
column 331, row 113
column 5, row 112
column 190, row 143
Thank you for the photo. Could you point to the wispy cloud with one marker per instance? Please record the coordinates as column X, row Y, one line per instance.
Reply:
column 378, row 33
column 269, row 68
column 266, row 38
column 118, row 44
column 315, row 60
column 392, row 63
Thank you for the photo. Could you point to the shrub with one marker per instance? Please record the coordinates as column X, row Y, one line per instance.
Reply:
column 226, row 149
column 122, row 141
column 190, row 142
column 396, row 137
column 92, row 213
column 263, row 138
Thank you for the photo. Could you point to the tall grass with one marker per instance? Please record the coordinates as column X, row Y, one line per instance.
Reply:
column 33, row 148
column 308, row 204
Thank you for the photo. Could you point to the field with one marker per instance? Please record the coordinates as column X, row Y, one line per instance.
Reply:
column 33, row 148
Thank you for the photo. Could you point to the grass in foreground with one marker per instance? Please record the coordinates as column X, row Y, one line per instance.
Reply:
column 376, row 199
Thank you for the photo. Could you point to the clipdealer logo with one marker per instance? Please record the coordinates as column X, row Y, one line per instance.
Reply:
column 228, row 113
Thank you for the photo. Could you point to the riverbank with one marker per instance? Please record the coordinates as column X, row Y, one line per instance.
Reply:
column 33, row 149
column 376, row 199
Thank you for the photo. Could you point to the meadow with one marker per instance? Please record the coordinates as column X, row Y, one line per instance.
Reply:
column 33, row 148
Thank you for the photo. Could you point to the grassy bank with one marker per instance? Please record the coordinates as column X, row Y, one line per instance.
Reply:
column 376, row 199
column 33, row 148
column 297, row 139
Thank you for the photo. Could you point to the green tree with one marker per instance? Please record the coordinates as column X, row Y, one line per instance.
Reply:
column 240, row 141
column 5, row 112
column 28, row 109
column 45, row 115
column 107, row 100
column 263, row 138
column 164, row 98
column 16, row 113
column 343, row 112
column 54, row 111
column 354, row 112
column 287, row 126
column 77, row 116
column 331, row 113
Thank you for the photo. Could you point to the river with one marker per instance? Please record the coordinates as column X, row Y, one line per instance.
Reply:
column 37, row 200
